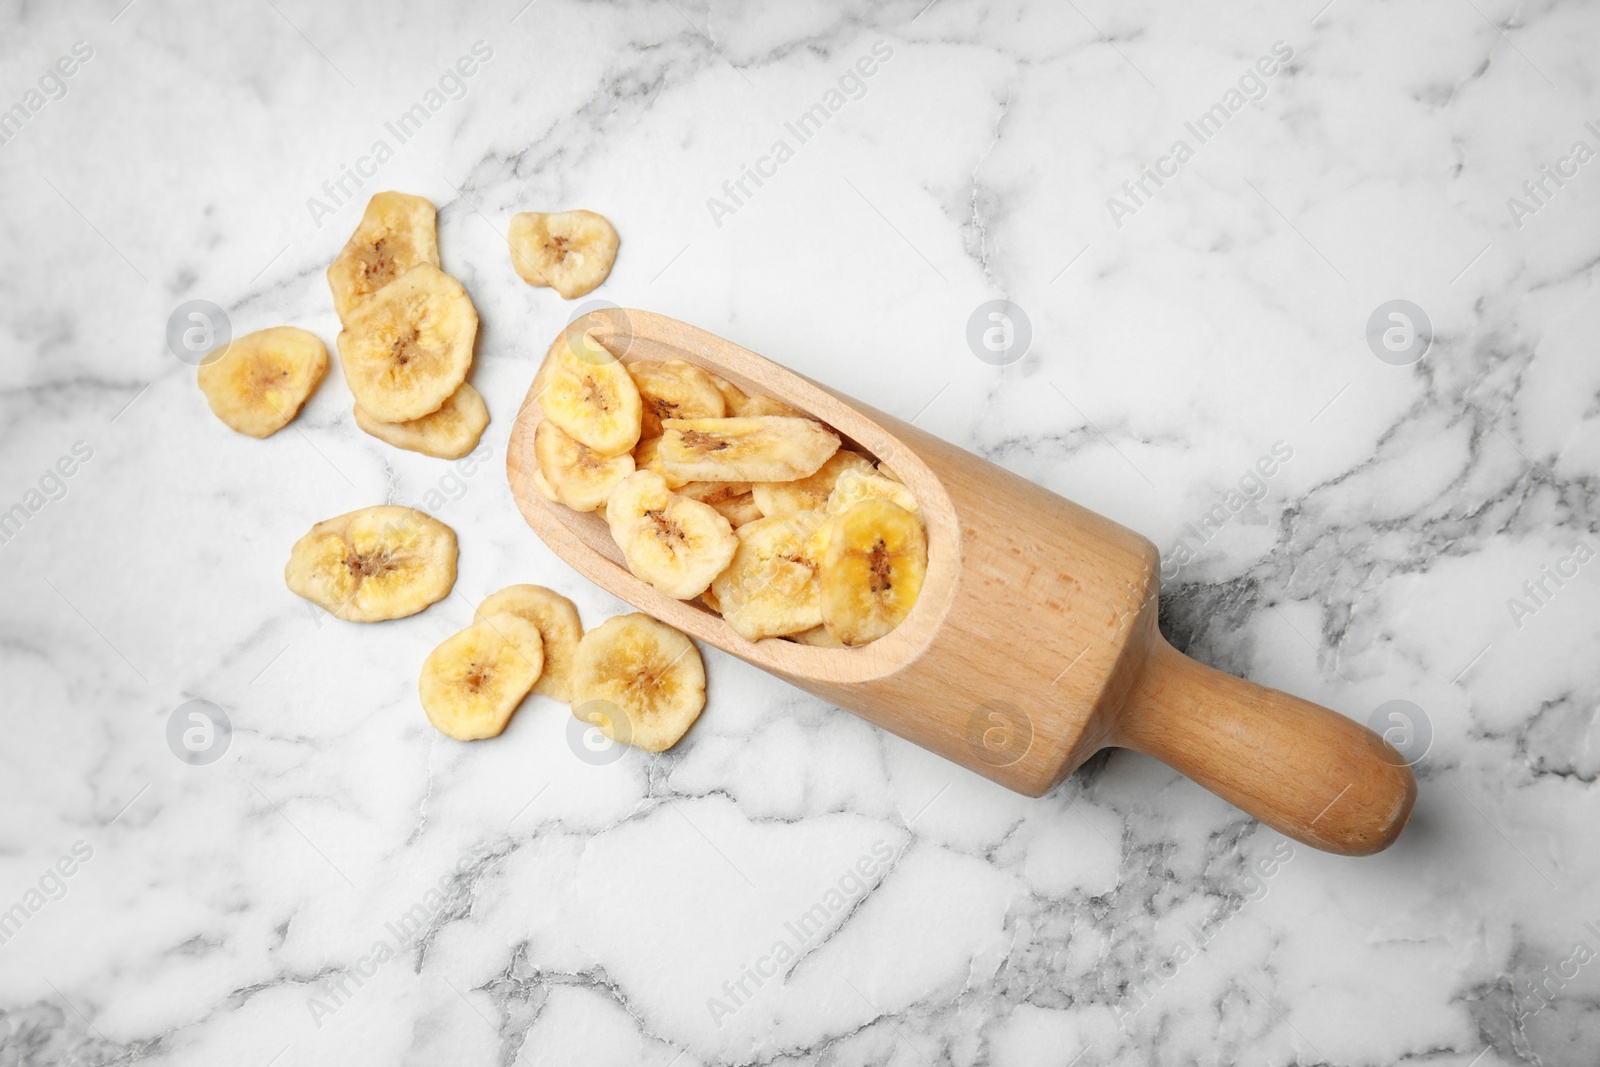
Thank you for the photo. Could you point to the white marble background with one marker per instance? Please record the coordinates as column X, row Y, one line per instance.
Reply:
column 589, row 913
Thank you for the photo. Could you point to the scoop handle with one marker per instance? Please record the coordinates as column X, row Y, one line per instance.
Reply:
column 1306, row 771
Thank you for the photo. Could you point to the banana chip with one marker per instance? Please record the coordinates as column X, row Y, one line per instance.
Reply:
column 374, row 564
column 676, row 544
column 570, row 251
column 557, row 620
column 449, row 433
column 872, row 570
column 474, row 680
column 586, row 391
column 767, row 590
column 407, row 347
column 257, row 384
column 758, row 449
column 674, row 389
column 396, row 232
column 580, row 477
column 640, row 681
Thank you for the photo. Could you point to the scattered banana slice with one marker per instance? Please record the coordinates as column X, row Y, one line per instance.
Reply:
column 396, row 232
column 818, row 637
column 647, row 457
column 811, row 492
column 640, row 681
column 676, row 544
column 580, row 477
column 258, row 382
column 583, row 389
column 557, row 620
column 674, row 389
column 872, row 570
column 377, row 563
column 758, row 449
column 733, row 500
column 407, row 347
column 475, row 679
column 449, row 433
column 570, row 251
column 767, row 591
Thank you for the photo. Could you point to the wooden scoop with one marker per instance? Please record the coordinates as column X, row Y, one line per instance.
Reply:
column 1033, row 644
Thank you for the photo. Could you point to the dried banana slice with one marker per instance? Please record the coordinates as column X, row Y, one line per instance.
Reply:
column 765, row 448
column 546, row 490
column 640, row 681
column 407, row 347
column 557, row 620
column 852, row 488
column 741, row 405
column 583, row 389
column 733, row 500
column 811, row 492
column 674, row 389
column 818, row 637
column 377, row 563
column 396, row 232
column 580, row 477
column 676, row 544
column 449, row 433
column 767, row 591
column 475, row 679
column 570, row 251
column 647, row 457
column 257, row 383
column 872, row 570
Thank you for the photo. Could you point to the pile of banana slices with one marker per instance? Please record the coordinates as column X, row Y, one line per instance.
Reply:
column 738, row 500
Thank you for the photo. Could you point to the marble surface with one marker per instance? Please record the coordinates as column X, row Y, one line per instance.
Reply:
column 344, row 885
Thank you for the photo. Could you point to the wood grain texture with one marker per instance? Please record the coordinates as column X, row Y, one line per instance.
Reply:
column 1033, row 644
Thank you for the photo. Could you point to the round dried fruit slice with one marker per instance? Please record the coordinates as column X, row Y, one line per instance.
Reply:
column 258, row 382
column 570, row 251
column 472, row 683
column 676, row 544
column 586, row 391
column 674, row 389
column 766, row 448
column 407, row 347
column 449, row 433
column 558, row 623
column 378, row 563
column 872, row 570
column 396, row 232
column 767, row 591
column 640, row 681
column 812, row 491
column 580, row 477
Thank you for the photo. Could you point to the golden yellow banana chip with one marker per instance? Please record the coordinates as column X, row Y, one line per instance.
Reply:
column 397, row 232
column 258, row 382
column 557, row 620
column 759, row 449
column 377, row 563
column 570, row 251
column 768, row 588
column 407, row 347
column 449, row 433
column 674, row 389
column 647, row 457
column 580, row 477
column 473, row 682
column 586, row 391
column 812, row 491
column 640, row 681
column 872, row 570
column 676, row 544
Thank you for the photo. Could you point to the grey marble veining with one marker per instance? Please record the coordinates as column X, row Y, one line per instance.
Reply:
column 1200, row 213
